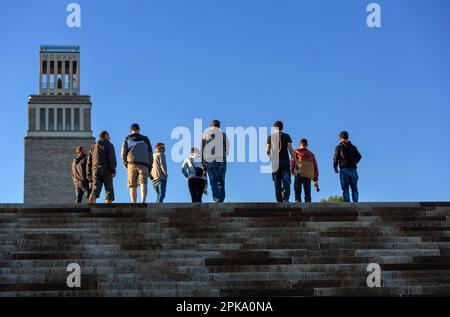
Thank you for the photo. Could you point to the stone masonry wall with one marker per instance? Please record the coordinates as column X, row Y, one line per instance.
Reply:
column 48, row 164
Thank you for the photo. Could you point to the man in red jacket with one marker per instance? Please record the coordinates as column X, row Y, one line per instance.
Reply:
column 308, row 171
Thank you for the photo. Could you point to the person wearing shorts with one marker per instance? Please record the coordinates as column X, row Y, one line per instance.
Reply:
column 137, row 157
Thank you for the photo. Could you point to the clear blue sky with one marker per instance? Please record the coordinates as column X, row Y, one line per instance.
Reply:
column 313, row 64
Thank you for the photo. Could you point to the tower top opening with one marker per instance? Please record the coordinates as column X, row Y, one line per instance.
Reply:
column 59, row 70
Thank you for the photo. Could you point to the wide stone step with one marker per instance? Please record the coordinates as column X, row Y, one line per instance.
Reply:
column 254, row 249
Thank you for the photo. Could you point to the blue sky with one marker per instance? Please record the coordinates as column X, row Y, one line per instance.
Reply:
column 313, row 64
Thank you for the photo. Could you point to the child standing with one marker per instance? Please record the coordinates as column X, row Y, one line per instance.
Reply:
column 159, row 172
column 308, row 170
column 195, row 173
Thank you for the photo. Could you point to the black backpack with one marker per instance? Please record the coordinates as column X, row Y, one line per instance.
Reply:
column 199, row 171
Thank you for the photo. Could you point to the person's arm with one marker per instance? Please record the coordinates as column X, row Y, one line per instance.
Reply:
column 268, row 147
column 89, row 166
column 73, row 171
column 163, row 164
column 227, row 145
column 202, row 148
column 84, row 168
column 150, row 152
column 336, row 159
column 293, row 155
column 124, row 152
column 358, row 155
column 185, row 168
column 112, row 159
column 316, row 170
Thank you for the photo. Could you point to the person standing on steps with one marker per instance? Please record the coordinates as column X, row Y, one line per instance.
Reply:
column 307, row 171
column 195, row 172
column 102, row 168
column 159, row 172
column 279, row 146
column 137, row 157
column 346, row 157
column 79, row 175
column 215, row 147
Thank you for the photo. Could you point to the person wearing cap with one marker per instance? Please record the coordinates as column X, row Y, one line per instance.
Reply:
column 79, row 175
column 346, row 157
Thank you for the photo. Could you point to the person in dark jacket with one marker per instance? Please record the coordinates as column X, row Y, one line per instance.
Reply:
column 102, row 167
column 79, row 175
column 137, row 157
column 346, row 157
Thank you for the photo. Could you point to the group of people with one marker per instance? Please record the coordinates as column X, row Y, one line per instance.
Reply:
column 303, row 165
column 94, row 170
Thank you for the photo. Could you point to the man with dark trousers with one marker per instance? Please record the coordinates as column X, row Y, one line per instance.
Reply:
column 102, row 168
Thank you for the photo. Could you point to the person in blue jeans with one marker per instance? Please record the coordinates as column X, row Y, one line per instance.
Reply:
column 347, row 157
column 278, row 148
column 159, row 172
column 215, row 146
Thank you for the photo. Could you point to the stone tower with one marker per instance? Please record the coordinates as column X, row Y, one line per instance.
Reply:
column 59, row 120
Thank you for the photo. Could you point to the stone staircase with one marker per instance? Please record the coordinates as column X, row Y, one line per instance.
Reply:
column 243, row 249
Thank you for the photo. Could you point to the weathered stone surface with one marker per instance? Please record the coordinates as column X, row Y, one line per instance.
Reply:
column 225, row 250
column 48, row 163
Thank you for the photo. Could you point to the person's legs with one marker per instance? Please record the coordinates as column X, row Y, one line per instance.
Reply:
column 132, row 176
column 88, row 192
column 162, row 190
column 306, row 182
column 286, row 183
column 214, row 180
column 345, row 183
column 192, row 189
column 276, row 177
column 156, row 186
column 298, row 189
column 195, row 188
column 144, row 191
column 201, row 184
column 221, row 171
column 109, row 186
column 97, row 184
column 142, row 180
column 79, row 194
column 133, row 194
column 354, row 185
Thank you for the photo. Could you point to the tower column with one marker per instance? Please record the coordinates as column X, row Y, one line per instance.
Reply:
column 70, row 77
column 38, row 119
column 63, row 76
column 81, row 119
column 72, row 117
column 46, row 119
column 47, row 74
column 41, row 71
column 56, row 76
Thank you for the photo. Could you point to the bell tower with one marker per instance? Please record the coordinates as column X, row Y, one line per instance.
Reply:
column 59, row 120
